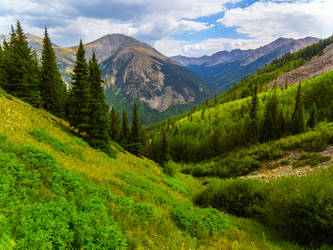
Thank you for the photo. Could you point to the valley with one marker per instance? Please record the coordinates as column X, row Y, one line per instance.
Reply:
column 112, row 145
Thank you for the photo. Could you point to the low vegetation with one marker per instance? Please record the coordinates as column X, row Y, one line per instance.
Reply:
column 297, row 208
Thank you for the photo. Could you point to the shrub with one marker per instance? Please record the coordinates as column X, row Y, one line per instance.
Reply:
column 301, row 209
column 169, row 169
column 200, row 222
column 241, row 197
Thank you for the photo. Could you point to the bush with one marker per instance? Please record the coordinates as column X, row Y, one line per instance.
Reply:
column 200, row 222
column 301, row 209
column 298, row 208
column 169, row 169
column 241, row 197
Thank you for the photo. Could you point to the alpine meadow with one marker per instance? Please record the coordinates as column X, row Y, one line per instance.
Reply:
column 178, row 125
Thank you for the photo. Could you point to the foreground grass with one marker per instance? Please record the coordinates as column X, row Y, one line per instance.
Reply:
column 145, row 208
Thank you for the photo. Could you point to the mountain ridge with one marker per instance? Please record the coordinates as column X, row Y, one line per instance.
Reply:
column 224, row 68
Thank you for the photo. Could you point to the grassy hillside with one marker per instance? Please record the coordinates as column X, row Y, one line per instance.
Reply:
column 57, row 192
column 220, row 128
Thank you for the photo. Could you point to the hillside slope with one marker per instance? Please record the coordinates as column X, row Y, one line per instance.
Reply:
column 316, row 66
column 57, row 192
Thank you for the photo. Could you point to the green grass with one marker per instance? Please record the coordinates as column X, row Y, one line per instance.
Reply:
column 42, row 136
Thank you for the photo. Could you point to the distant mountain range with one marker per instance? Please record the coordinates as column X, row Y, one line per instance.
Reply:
column 223, row 69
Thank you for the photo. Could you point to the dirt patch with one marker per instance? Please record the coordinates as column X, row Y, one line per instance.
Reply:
column 286, row 166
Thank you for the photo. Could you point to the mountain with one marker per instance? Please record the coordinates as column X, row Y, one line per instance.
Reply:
column 224, row 68
column 133, row 70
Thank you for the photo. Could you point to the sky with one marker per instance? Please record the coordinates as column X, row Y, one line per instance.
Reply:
column 174, row 27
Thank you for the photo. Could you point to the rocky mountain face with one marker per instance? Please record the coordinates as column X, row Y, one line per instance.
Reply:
column 133, row 70
column 224, row 68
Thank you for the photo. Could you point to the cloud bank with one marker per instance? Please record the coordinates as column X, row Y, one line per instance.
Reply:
column 164, row 23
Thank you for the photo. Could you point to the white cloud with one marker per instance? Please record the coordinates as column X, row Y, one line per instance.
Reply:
column 288, row 19
column 149, row 20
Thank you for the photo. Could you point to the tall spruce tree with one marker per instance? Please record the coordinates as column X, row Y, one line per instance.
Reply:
column 114, row 129
column 22, row 79
column 125, row 131
column 52, row 87
column 252, row 126
column 298, row 119
column 2, row 70
column 164, row 154
column 313, row 116
column 98, row 136
column 135, row 144
column 79, row 111
column 270, row 123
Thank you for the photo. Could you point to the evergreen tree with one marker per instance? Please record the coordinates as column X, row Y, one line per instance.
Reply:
column 203, row 113
column 313, row 116
column 252, row 130
column 298, row 120
column 125, row 131
column 282, row 123
column 164, row 155
column 2, row 70
column 135, row 145
column 114, row 130
column 79, row 112
column 22, row 79
column 215, row 100
column 52, row 87
column 270, row 123
column 99, row 120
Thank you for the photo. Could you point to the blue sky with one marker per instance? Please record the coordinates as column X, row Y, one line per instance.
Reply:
column 186, row 27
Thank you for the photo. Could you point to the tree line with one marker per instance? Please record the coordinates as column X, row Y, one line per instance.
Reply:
column 83, row 105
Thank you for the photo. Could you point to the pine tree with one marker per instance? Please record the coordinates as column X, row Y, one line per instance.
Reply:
column 114, row 130
column 298, row 120
column 270, row 123
column 52, row 87
column 313, row 116
column 164, row 154
column 125, row 130
column 80, row 94
column 135, row 145
column 99, row 120
column 22, row 79
column 282, row 123
column 252, row 130
column 2, row 70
